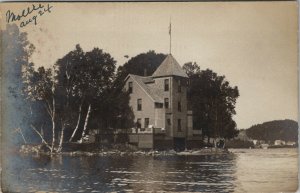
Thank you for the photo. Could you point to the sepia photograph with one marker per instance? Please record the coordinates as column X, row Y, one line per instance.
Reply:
column 149, row 96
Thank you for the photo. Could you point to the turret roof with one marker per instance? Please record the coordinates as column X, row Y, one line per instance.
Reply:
column 169, row 67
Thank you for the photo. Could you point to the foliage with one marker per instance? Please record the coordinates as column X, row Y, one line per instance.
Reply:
column 81, row 85
column 113, row 111
column 191, row 68
column 142, row 64
column 286, row 130
column 83, row 79
column 213, row 101
column 15, row 57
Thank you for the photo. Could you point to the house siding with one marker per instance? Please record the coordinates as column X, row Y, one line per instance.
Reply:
column 182, row 115
column 147, row 104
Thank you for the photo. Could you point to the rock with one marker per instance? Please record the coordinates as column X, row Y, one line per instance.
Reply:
column 172, row 152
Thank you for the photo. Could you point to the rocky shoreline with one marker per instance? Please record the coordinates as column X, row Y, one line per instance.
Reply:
column 38, row 149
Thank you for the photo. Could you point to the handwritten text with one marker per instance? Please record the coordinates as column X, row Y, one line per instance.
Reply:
column 28, row 15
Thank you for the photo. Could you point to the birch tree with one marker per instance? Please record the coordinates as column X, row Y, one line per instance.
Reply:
column 68, row 73
column 40, row 85
column 97, row 76
column 83, row 79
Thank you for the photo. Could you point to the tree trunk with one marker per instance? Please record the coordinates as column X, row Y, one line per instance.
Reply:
column 85, row 123
column 61, row 137
column 77, row 125
column 53, row 125
column 22, row 135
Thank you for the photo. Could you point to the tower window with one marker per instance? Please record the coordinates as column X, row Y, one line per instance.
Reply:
column 139, row 104
column 179, row 85
column 130, row 87
column 179, row 125
column 169, row 122
column 179, row 106
column 166, row 84
column 166, row 103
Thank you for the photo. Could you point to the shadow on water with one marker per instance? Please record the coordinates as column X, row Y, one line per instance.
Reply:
column 115, row 173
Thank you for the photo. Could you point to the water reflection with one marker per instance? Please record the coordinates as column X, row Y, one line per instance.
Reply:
column 239, row 172
column 187, row 173
column 271, row 170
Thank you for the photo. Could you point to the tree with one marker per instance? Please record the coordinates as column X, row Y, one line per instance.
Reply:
column 213, row 101
column 286, row 130
column 143, row 64
column 41, row 86
column 113, row 112
column 79, row 89
column 83, row 80
column 97, row 76
column 15, row 57
column 68, row 73
column 191, row 68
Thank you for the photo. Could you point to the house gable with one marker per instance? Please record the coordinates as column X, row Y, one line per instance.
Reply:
column 143, row 83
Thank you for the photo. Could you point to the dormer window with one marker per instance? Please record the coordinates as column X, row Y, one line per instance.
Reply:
column 166, row 84
column 130, row 87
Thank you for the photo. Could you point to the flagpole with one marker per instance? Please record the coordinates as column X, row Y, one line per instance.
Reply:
column 170, row 33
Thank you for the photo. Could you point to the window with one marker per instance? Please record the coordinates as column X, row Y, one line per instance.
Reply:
column 139, row 104
column 166, row 103
column 179, row 85
column 138, row 123
column 179, row 125
column 169, row 122
column 130, row 87
column 146, row 122
column 179, row 106
column 159, row 105
column 166, row 84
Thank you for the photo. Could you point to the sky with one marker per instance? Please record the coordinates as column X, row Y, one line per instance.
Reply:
column 254, row 44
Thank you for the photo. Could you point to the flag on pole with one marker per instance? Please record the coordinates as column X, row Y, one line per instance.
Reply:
column 170, row 29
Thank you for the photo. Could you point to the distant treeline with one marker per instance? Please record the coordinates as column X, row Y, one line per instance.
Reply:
column 286, row 130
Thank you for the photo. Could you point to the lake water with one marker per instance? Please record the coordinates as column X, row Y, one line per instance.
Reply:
column 249, row 170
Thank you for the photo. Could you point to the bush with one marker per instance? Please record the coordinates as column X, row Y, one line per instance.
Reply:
column 237, row 143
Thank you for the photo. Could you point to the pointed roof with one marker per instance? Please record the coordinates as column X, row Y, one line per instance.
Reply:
column 169, row 67
column 154, row 93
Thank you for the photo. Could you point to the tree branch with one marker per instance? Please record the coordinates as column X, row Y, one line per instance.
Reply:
column 48, row 110
column 43, row 140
